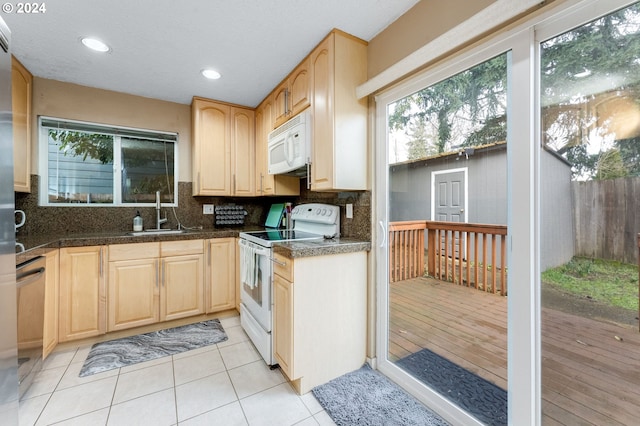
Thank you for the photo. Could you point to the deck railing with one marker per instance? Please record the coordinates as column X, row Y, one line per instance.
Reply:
column 468, row 254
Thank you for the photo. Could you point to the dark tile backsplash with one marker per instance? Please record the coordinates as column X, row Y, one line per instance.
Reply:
column 63, row 220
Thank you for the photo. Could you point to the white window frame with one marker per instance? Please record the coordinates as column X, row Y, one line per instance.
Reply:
column 43, row 141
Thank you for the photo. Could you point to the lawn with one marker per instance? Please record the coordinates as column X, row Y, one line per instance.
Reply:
column 607, row 281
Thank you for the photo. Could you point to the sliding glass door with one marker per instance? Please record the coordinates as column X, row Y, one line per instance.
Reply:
column 446, row 274
column 505, row 179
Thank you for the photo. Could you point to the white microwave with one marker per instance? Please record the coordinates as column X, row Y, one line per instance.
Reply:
column 289, row 146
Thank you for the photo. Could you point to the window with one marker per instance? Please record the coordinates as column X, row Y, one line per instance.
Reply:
column 97, row 165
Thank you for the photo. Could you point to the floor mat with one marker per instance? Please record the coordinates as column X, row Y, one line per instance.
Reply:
column 117, row 353
column 480, row 398
column 366, row 398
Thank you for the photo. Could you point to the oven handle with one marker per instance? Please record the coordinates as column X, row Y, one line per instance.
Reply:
column 260, row 251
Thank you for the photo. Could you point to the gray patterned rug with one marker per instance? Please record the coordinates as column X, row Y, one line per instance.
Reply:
column 118, row 353
column 367, row 398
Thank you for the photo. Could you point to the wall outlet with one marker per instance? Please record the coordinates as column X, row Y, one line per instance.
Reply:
column 349, row 211
column 207, row 209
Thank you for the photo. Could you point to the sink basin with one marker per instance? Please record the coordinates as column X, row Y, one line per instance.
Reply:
column 157, row 232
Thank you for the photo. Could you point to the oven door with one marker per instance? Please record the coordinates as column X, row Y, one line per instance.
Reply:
column 257, row 299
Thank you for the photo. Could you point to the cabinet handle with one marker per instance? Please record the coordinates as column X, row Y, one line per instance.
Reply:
column 157, row 267
column 308, row 174
column 287, row 111
column 100, row 260
column 261, row 181
column 278, row 262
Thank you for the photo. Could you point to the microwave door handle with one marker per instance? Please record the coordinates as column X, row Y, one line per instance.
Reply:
column 288, row 148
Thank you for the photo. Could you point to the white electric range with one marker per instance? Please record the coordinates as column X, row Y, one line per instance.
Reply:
column 312, row 221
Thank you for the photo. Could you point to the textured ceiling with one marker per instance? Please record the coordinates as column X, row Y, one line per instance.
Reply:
column 159, row 47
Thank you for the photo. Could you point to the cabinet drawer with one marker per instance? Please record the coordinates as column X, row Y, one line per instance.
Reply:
column 183, row 247
column 283, row 266
column 133, row 251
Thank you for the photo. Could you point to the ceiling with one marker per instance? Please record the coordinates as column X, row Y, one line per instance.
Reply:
column 159, row 47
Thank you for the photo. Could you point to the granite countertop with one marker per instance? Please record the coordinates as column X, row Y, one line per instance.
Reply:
column 296, row 249
column 28, row 247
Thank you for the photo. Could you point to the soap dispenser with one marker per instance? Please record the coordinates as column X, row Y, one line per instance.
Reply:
column 137, row 222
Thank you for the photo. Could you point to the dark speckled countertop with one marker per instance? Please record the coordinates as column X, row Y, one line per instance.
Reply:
column 28, row 247
column 295, row 249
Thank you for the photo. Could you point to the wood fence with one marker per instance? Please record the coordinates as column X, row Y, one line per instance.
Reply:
column 469, row 254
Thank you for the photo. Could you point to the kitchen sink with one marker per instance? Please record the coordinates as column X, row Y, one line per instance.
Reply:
column 148, row 232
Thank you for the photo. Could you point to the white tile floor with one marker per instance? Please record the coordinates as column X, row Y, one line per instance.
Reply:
column 224, row 384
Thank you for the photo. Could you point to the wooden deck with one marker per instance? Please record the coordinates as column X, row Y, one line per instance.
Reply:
column 590, row 369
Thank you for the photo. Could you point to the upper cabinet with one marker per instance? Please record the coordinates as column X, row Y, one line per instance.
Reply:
column 223, row 149
column 339, row 144
column 267, row 184
column 293, row 95
column 21, row 82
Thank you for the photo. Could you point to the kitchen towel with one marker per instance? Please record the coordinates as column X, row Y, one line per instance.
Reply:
column 248, row 265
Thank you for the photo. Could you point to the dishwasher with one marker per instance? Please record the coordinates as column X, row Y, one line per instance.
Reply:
column 30, row 290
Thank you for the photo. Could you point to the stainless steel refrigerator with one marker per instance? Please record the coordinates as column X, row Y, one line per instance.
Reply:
column 8, row 315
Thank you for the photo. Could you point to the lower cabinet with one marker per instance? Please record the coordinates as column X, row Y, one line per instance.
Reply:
column 134, row 287
column 152, row 282
column 319, row 317
column 181, row 279
column 82, row 299
column 220, row 288
column 52, row 285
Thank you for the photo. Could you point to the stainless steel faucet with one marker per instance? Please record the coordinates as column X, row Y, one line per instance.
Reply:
column 159, row 221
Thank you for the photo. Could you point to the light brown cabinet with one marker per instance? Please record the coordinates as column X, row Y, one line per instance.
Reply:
column 134, row 285
column 292, row 95
column 155, row 282
column 223, row 149
column 339, row 148
column 52, row 283
column 315, row 313
column 21, row 86
column 220, row 289
column 181, row 279
column 82, row 297
column 267, row 184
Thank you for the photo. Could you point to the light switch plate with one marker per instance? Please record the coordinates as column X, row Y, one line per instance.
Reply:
column 349, row 211
column 207, row 209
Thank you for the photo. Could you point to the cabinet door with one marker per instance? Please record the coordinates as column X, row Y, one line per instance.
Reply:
column 221, row 274
column 299, row 88
column 211, row 148
column 50, row 334
column 82, row 293
column 283, row 324
column 322, row 146
column 243, row 143
column 21, row 82
column 133, row 293
column 182, row 287
column 281, row 104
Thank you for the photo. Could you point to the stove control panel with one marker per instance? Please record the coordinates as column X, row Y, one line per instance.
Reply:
column 316, row 213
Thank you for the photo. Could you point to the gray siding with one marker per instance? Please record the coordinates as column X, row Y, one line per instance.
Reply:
column 410, row 196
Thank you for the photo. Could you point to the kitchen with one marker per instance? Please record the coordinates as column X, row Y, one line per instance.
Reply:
column 68, row 100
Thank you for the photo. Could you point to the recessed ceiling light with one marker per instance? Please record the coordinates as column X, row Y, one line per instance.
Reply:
column 211, row 74
column 95, row 44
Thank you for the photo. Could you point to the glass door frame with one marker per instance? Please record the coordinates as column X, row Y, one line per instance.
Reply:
column 523, row 199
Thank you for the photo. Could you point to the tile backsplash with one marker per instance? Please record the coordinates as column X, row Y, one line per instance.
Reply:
column 68, row 220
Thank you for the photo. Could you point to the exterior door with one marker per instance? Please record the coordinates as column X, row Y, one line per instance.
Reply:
column 449, row 200
column 449, row 195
